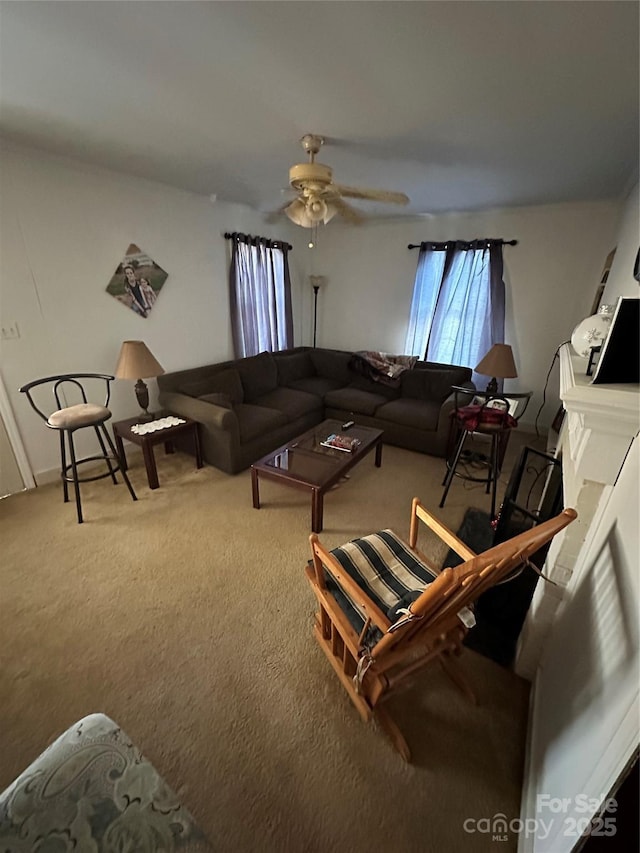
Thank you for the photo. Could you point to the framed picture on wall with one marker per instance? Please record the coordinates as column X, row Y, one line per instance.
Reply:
column 137, row 281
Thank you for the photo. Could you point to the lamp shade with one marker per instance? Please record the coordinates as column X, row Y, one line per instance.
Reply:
column 136, row 362
column 498, row 362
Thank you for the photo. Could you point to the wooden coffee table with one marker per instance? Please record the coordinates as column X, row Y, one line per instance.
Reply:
column 305, row 464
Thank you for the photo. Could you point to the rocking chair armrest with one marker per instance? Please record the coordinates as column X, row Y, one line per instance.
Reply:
column 420, row 512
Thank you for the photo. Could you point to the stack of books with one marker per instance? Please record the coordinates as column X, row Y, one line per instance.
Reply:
column 341, row 442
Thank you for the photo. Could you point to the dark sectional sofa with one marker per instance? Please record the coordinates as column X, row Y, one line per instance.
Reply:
column 250, row 406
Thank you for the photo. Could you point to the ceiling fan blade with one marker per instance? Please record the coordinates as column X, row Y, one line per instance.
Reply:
column 274, row 215
column 372, row 195
column 348, row 212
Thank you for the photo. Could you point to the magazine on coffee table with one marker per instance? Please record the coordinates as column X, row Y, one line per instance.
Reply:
column 341, row 442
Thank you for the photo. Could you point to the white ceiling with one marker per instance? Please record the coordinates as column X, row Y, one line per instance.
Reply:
column 461, row 105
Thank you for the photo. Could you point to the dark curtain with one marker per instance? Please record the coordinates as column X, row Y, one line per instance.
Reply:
column 259, row 295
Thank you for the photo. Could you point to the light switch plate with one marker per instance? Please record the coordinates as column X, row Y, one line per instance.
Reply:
column 9, row 331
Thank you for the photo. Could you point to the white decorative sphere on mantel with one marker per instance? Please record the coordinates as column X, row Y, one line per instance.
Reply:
column 592, row 331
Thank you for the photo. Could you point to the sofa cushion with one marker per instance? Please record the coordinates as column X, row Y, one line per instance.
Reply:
column 259, row 375
column 298, row 365
column 332, row 364
column 224, row 382
column 196, row 387
column 318, row 385
column 290, row 402
column 354, row 400
column 432, row 384
column 418, row 414
column 254, row 421
column 218, row 399
column 362, row 383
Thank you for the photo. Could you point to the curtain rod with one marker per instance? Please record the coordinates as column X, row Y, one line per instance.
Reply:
column 441, row 246
column 255, row 241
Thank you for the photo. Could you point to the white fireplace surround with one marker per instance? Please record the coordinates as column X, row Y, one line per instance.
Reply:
column 600, row 426
column 579, row 645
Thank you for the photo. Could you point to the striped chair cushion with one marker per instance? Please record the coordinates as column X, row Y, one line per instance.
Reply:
column 385, row 568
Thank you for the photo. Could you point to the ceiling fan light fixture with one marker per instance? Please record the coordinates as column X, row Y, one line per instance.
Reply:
column 331, row 211
column 316, row 209
column 297, row 213
column 311, row 211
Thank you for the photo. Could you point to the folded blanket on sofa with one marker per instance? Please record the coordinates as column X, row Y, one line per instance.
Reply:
column 380, row 366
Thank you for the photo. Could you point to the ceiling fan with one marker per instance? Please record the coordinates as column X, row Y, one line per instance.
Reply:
column 319, row 198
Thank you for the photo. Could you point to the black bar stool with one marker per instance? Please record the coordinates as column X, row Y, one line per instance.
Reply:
column 487, row 414
column 69, row 418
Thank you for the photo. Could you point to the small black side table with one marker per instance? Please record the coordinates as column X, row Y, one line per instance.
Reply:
column 122, row 431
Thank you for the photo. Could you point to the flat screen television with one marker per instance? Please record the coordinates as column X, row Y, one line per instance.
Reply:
column 620, row 357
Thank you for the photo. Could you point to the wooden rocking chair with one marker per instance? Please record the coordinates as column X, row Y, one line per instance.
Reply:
column 385, row 611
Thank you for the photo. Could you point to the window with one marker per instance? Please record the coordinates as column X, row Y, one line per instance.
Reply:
column 260, row 295
column 457, row 310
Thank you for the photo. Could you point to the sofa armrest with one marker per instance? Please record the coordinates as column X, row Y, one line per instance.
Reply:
column 449, row 403
column 218, row 428
column 199, row 410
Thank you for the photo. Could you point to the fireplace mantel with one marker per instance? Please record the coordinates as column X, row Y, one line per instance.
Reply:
column 602, row 421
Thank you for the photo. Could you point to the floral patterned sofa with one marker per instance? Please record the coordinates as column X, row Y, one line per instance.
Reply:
column 91, row 791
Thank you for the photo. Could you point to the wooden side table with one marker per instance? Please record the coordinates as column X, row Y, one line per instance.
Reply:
column 122, row 431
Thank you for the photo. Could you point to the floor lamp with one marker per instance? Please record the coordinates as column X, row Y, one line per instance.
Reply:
column 316, row 283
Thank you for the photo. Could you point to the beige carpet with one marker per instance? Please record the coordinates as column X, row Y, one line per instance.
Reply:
column 186, row 617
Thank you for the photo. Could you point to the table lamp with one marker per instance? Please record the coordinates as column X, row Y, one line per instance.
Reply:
column 499, row 364
column 134, row 362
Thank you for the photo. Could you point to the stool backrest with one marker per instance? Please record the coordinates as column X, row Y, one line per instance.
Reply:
column 59, row 383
